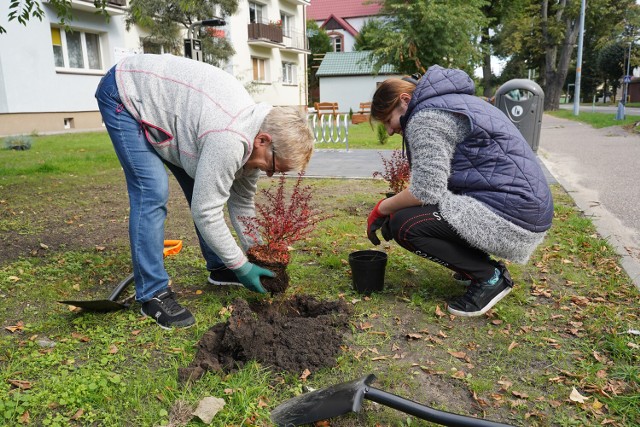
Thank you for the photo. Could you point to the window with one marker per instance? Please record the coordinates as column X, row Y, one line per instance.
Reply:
column 337, row 41
column 56, row 39
column 286, row 24
column 76, row 49
column 288, row 73
column 259, row 69
column 255, row 13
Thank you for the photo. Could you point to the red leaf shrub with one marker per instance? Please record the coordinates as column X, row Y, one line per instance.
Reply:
column 396, row 171
column 281, row 220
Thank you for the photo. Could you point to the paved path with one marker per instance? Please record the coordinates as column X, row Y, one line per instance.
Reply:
column 340, row 163
column 599, row 168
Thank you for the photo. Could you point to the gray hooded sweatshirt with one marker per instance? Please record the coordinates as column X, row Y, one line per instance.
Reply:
column 200, row 118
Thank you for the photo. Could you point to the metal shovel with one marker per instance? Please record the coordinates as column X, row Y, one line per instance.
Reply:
column 111, row 304
column 347, row 397
column 104, row 305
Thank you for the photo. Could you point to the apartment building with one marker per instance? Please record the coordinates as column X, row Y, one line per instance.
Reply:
column 48, row 76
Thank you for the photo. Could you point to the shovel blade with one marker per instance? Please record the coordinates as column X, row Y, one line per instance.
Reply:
column 101, row 306
column 322, row 404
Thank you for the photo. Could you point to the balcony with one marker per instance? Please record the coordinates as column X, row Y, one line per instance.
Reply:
column 295, row 41
column 299, row 2
column 113, row 8
column 267, row 35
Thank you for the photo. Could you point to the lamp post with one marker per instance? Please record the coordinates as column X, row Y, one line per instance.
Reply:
column 576, row 100
column 193, row 46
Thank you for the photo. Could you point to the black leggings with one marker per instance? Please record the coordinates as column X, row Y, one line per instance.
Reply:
column 423, row 231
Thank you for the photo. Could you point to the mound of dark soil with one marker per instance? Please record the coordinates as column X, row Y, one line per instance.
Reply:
column 285, row 335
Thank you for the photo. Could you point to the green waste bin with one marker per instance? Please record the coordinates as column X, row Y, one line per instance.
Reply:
column 522, row 100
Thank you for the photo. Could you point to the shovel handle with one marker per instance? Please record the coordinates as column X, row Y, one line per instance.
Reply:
column 425, row 412
column 121, row 287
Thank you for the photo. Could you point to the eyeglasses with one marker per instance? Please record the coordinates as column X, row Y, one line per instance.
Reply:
column 272, row 171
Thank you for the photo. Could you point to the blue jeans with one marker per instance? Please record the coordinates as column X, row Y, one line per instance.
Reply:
column 148, row 188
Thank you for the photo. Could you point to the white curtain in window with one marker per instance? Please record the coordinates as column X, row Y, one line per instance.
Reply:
column 93, row 51
column 74, row 48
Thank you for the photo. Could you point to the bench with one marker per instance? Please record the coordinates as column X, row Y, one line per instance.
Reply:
column 363, row 113
column 326, row 108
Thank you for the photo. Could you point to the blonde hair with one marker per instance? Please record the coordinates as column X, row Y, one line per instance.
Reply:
column 387, row 97
column 290, row 135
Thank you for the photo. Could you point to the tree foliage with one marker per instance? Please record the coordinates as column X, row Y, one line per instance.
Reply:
column 365, row 39
column 544, row 33
column 164, row 20
column 24, row 10
column 417, row 34
column 319, row 43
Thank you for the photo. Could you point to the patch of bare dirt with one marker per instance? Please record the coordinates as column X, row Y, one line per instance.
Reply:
column 290, row 335
column 94, row 214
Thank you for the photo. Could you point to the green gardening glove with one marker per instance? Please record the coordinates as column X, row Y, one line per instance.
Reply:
column 249, row 275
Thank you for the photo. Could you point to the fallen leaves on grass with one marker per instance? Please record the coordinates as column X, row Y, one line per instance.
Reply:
column 505, row 385
column 19, row 326
column 459, row 374
column 305, row 374
column 376, row 359
column 77, row 415
column 363, row 326
column 520, row 394
column 458, row 354
column 575, row 396
column 80, row 337
column 22, row 385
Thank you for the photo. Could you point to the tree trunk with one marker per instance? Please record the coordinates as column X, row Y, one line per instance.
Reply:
column 558, row 54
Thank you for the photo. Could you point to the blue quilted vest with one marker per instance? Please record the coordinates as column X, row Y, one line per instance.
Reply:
column 494, row 164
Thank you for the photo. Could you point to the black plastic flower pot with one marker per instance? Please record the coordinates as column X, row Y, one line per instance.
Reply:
column 367, row 270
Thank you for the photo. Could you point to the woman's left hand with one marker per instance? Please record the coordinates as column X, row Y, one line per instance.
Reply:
column 375, row 222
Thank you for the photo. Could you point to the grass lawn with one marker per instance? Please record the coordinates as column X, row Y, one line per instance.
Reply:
column 597, row 120
column 560, row 350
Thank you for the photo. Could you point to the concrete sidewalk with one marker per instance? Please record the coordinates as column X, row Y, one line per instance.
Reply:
column 599, row 168
column 360, row 164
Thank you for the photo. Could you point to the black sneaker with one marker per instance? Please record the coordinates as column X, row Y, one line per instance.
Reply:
column 166, row 311
column 480, row 297
column 223, row 276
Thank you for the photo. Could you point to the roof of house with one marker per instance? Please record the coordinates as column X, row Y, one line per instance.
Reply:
column 319, row 10
column 342, row 24
column 350, row 64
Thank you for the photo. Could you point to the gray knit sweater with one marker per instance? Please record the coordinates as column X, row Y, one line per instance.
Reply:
column 432, row 136
column 201, row 119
